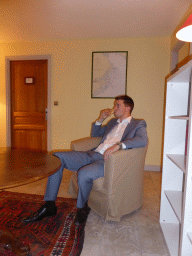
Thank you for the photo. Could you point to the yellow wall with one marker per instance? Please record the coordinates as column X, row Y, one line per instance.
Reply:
column 183, row 52
column 148, row 64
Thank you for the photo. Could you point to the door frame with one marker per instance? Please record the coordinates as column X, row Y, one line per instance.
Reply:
column 8, row 59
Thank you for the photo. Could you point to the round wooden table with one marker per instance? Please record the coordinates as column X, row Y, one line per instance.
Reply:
column 20, row 167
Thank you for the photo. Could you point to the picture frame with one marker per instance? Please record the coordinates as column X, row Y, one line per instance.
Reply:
column 109, row 74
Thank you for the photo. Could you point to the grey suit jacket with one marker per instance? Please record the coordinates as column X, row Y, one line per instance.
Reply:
column 134, row 136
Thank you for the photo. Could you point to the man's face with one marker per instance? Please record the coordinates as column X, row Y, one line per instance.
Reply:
column 120, row 110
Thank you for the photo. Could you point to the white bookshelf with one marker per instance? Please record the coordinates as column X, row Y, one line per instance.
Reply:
column 176, row 191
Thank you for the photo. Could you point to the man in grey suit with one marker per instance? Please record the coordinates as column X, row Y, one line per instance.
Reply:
column 121, row 132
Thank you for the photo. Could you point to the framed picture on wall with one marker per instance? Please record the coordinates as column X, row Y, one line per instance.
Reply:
column 109, row 74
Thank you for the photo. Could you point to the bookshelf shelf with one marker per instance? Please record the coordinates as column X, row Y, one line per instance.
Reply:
column 179, row 160
column 190, row 237
column 175, row 200
column 171, row 234
column 176, row 190
column 180, row 117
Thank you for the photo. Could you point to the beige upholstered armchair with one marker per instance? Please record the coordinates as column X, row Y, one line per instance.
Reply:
column 119, row 192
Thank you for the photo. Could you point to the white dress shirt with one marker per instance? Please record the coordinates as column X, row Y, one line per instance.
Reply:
column 114, row 135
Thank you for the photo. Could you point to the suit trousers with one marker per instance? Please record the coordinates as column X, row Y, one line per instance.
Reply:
column 88, row 164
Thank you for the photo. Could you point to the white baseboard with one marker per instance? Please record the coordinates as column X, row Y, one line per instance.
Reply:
column 153, row 168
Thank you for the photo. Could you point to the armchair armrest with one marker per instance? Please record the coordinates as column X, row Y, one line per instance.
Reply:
column 85, row 144
column 121, row 162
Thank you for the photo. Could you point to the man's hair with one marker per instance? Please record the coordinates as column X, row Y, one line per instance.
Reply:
column 128, row 101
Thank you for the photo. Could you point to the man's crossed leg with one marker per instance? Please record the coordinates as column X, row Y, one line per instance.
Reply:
column 90, row 166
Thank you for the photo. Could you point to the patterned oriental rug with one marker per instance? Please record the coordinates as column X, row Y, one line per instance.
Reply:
column 57, row 235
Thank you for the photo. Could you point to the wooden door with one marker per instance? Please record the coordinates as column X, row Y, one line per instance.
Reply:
column 28, row 80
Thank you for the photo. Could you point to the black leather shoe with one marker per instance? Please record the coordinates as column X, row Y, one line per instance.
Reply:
column 42, row 213
column 82, row 214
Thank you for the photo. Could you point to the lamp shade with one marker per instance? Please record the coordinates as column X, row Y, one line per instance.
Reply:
column 185, row 32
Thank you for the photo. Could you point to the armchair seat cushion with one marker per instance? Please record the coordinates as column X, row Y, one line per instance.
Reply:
column 97, row 184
